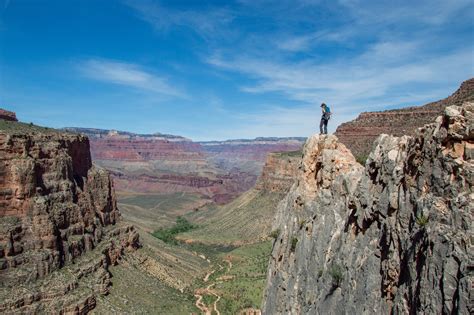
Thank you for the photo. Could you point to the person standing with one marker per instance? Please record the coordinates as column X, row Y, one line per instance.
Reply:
column 326, row 115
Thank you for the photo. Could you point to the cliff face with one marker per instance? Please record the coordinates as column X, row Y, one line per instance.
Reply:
column 358, row 135
column 55, row 209
column 279, row 172
column 7, row 115
column 394, row 236
column 248, row 154
column 157, row 163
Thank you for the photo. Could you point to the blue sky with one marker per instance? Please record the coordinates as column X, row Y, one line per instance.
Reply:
column 227, row 69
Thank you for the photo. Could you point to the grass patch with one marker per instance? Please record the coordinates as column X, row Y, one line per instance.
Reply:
column 336, row 274
column 294, row 241
column 250, row 263
column 168, row 235
column 12, row 127
column 361, row 159
column 422, row 220
column 275, row 233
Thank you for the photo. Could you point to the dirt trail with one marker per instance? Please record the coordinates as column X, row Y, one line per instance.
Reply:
column 206, row 278
column 199, row 293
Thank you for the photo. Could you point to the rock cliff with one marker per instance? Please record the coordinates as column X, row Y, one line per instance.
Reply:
column 358, row 135
column 167, row 164
column 59, row 223
column 7, row 115
column 394, row 236
column 279, row 172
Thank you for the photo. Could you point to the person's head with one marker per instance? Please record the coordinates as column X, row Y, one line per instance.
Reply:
column 323, row 105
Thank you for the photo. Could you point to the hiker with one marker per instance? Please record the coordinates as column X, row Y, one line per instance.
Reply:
column 326, row 115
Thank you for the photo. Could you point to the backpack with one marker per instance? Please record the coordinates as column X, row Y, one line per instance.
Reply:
column 327, row 113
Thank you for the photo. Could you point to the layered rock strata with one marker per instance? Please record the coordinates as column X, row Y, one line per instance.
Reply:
column 393, row 237
column 158, row 163
column 279, row 172
column 358, row 135
column 59, row 223
column 7, row 115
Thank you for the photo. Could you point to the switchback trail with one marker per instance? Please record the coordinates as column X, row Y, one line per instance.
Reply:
column 199, row 293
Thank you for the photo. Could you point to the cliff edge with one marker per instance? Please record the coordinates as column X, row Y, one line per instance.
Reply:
column 60, row 228
column 394, row 236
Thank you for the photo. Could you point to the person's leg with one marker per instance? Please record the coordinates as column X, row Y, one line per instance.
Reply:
column 321, row 124
column 325, row 126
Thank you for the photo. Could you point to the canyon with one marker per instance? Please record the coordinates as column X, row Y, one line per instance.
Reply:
column 391, row 236
column 157, row 163
column 60, row 229
column 359, row 135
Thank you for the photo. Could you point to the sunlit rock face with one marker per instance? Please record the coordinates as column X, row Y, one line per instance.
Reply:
column 60, row 227
column 7, row 115
column 393, row 236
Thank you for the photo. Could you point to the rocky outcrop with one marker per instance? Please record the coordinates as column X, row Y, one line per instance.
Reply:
column 358, row 135
column 7, row 115
column 59, row 223
column 279, row 172
column 394, row 236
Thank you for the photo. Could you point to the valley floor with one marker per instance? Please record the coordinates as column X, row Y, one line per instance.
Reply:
column 198, row 276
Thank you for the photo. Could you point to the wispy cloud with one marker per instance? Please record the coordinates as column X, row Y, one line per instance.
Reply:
column 126, row 74
column 366, row 78
column 207, row 22
column 381, row 52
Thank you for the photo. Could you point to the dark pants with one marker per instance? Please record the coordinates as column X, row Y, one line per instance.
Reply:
column 323, row 125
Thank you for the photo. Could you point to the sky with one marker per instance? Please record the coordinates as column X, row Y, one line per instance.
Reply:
column 215, row 70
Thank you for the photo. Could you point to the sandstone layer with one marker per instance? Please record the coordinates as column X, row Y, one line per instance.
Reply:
column 358, row 135
column 393, row 237
column 59, row 223
column 248, row 218
column 279, row 172
column 7, row 115
column 157, row 163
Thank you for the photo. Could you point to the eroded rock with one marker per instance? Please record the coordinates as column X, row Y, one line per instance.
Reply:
column 394, row 236
column 60, row 227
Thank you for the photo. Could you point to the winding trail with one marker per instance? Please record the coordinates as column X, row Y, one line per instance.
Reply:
column 199, row 293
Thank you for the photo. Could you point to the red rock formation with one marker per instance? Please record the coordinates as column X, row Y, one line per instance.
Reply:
column 359, row 134
column 166, row 164
column 279, row 172
column 251, row 150
column 55, row 209
column 6, row 115
column 136, row 149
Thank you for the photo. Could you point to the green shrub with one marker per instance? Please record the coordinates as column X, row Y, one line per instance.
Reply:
column 361, row 159
column 302, row 223
column 275, row 233
column 422, row 220
column 294, row 241
column 336, row 274
column 168, row 235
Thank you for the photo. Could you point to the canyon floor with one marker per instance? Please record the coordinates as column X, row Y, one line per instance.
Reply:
column 220, row 265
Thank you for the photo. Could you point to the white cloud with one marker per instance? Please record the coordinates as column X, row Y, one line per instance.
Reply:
column 365, row 78
column 208, row 22
column 127, row 74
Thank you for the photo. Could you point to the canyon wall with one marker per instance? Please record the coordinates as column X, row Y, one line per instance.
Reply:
column 393, row 236
column 60, row 227
column 358, row 135
column 157, row 163
column 7, row 115
column 279, row 172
